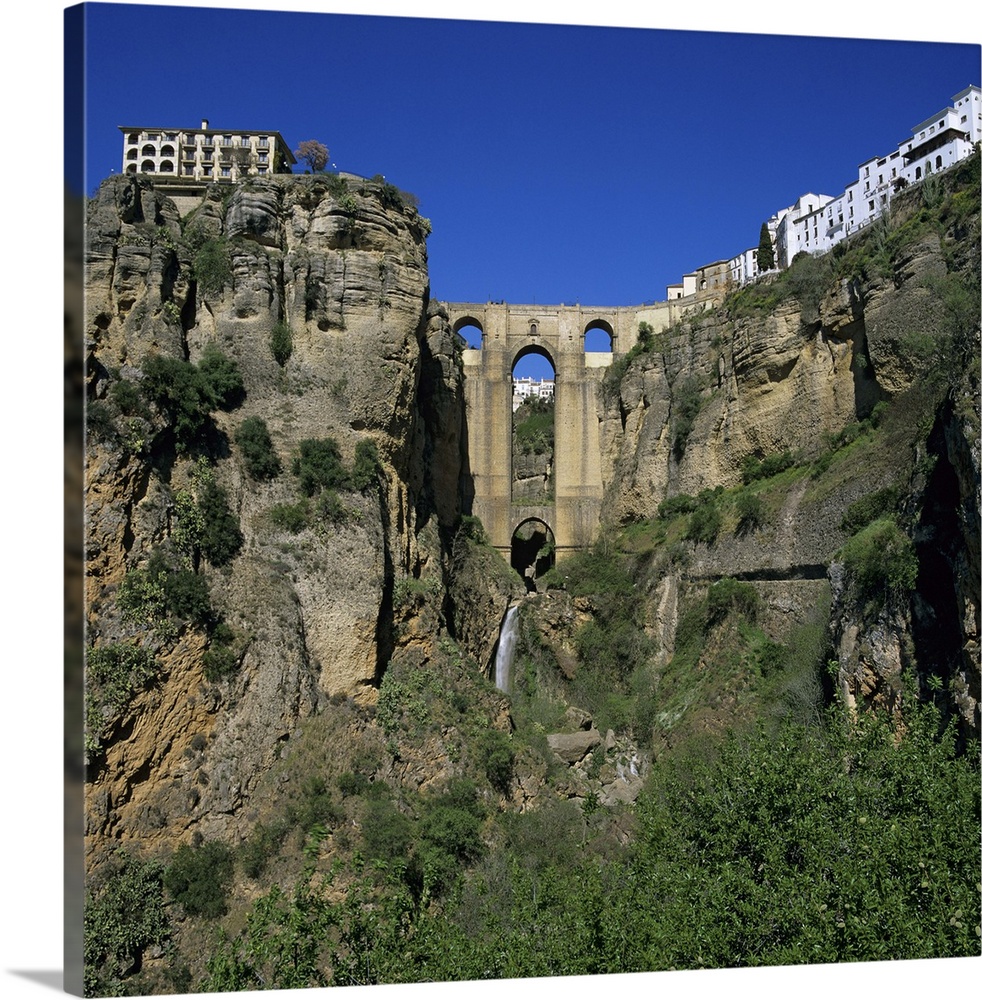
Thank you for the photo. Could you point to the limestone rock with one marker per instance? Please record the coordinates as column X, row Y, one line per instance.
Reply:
column 571, row 748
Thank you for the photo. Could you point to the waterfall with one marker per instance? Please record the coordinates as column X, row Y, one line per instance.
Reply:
column 506, row 647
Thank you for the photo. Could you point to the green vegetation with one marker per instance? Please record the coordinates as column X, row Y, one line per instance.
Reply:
column 205, row 525
column 124, row 915
column 199, row 877
column 187, row 394
column 880, row 563
column 765, row 249
column 114, row 673
column 162, row 596
column 212, row 266
column 253, row 438
column 686, row 403
column 281, row 343
column 534, row 427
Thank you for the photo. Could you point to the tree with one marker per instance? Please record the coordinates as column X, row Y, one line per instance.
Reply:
column 313, row 153
column 765, row 250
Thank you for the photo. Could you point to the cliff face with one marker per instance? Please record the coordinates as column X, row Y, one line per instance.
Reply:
column 798, row 372
column 369, row 360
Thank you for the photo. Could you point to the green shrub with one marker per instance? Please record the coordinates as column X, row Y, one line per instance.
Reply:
column 681, row 503
column 387, row 832
column 498, row 759
column 753, row 468
column 123, row 916
column 318, row 466
column 704, row 523
column 292, row 517
column 198, row 878
column 365, row 470
column 686, row 403
column 880, row 564
column 211, row 266
column 221, row 658
column 151, row 596
column 221, row 537
column 750, row 511
column 114, row 672
column 255, row 853
column 281, row 343
column 728, row 595
column 254, row 440
column 870, row 508
column 314, row 805
column 222, row 377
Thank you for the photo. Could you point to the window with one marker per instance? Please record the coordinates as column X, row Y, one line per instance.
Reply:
column 152, row 136
column 207, row 171
column 244, row 141
column 937, row 163
column 264, row 141
column 226, row 171
column 226, row 140
column 171, row 136
column 263, row 157
column 871, row 205
column 188, row 169
column 262, row 171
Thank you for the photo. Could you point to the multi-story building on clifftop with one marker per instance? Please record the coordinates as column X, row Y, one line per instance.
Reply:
column 204, row 154
column 817, row 222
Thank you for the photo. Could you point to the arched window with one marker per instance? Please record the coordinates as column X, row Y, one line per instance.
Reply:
column 166, row 150
column 131, row 169
column 146, row 167
column 937, row 162
column 131, row 155
column 148, row 150
column 917, row 174
column 166, row 167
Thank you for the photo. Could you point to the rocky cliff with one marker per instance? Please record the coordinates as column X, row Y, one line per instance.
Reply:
column 339, row 275
column 860, row 367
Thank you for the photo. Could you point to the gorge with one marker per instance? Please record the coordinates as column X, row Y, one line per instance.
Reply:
column 296, row 586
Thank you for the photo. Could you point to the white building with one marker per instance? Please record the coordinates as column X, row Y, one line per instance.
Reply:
column 204, row 154
column 526, row 388
column 817, row 222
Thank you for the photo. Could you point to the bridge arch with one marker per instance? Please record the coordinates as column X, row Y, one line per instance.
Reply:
column 533, row 549
column 470, row 324
column 603, row 340
column 530, row 349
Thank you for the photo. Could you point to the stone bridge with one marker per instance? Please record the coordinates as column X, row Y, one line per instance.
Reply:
column 509, row 333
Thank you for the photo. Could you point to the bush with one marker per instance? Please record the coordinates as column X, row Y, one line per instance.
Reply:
column 498, row 759
column 880, row 564
column 704, row 523
column 750, row 511
column 113, row 673
column 221, row 537
column 221, row 658
column 292, row 517
column 686, row 403
column 281, row 343
column 152, row 595
column 253, row 438
column 753, row 468
column 123, row 916
column 681, row 503
column 198, row 878
column 366, row 468
column 728, row 595
column 318, row 466
column 211, row 267
column 869, row 508
column 221, row 377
